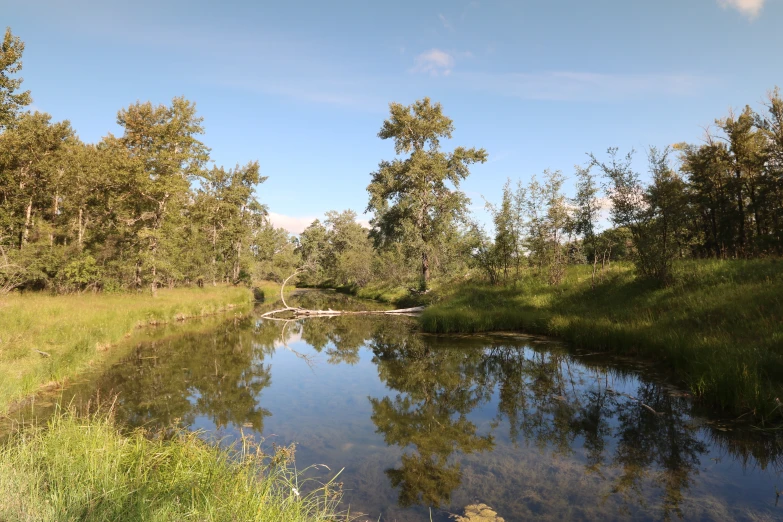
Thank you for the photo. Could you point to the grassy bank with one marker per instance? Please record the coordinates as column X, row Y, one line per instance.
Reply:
column 83, row 468
column 269, row 291
column 72, row 331
column 399, row 296
column 719, row 327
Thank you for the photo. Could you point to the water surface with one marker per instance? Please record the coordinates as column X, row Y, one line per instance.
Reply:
column 419, row 421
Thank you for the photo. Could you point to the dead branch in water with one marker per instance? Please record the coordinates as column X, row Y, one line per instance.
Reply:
column 304, row 312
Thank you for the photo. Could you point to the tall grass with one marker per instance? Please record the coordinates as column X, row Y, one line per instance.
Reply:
column 82, row 468
column 719, row 327
column 45, row 339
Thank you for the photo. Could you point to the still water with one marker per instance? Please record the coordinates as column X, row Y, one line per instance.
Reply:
column 524, row 425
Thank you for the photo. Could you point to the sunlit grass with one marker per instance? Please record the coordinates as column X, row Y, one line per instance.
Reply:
column 719, row 326
column 72, row 331
column 82, row 468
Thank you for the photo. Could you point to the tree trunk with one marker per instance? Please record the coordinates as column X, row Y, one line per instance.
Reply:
column 154, row 283
column 214, row 255
column 55, row 209
column 425, row 267
column 741, row 210
column 138, row 275
column 81, row 227
column 28, row 217
column 237, row 263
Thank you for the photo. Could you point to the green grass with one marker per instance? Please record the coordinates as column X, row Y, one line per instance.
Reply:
column 77, row 330
column 399, row 296
column 719, row 327
column 82, row 468
column 270, row 290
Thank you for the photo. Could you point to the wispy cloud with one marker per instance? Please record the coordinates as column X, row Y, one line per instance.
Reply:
column 434, row 62
column 293, row 225
column 446, row 23
column 583, row 86
column 749, row 8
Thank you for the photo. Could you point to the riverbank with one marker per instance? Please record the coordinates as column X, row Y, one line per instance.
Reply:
column 719, row 327
column 85, row 468
column 45, row 339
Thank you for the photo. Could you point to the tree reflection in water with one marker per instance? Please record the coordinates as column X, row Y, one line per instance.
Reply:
column 436, row 413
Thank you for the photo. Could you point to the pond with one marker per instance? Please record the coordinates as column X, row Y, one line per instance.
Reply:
column 423, row 426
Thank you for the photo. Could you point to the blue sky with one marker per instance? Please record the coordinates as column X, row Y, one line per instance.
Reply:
column 303, row 87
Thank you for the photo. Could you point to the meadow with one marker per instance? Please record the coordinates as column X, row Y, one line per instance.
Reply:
column 718, row 327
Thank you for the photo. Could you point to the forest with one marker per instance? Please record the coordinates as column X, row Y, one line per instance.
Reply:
column 145, row 209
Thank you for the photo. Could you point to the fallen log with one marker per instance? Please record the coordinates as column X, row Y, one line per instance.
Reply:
column 304, row 312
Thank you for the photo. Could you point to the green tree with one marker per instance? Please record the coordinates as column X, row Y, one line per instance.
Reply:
column 28, row 159
column 11, row 101
column 586, row 212
column 163, row 140
column 655, row 214
column 507, row 234
column 416, row 199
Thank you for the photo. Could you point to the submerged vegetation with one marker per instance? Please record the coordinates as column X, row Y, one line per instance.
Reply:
column 85, row 468
column 46, row 338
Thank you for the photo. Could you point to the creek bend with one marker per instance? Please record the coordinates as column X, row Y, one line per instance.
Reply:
column 417, row 421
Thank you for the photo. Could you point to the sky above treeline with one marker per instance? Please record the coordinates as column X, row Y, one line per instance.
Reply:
column 303, row 87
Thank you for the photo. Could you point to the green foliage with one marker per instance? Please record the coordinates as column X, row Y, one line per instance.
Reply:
column 716, row 326
column 412, row 198
column 11, row 63
column 84, row 468
column 656, row 214
column 80, row 274
column 340, row 250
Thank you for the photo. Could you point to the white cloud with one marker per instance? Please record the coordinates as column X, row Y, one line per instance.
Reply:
column 445, row 22
column 750, row 8
column 434, row 62
column 294, row 225
column 582, row 86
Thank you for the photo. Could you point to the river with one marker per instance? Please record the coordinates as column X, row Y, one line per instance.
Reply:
column 422, row 426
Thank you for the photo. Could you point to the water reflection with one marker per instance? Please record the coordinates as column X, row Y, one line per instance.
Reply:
column 521, row 425
column 437, row 388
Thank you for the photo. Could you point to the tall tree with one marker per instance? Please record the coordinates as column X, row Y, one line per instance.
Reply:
column 163, row 140
column 11, row 101
column 586, row 212
column 416, row 200
column 29, row 165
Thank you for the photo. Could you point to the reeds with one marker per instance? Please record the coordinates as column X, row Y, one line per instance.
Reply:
column 83, row 468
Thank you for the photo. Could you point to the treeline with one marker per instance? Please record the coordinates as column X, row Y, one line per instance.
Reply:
column 139, row 210
column 146, row 209
column 720, row 199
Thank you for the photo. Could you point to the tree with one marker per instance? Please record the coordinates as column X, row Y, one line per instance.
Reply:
column 162, row 140
column 416, row 199
column 505, row 248
column 655, row 214
column 29, row 164
column 11, row 101
column 586, row 211
column 746, row 145
column 349, row 259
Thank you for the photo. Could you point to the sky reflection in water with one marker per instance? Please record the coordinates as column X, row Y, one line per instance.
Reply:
column 419, row 421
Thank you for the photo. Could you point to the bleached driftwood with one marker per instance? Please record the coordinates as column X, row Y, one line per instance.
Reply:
column 304, row 312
